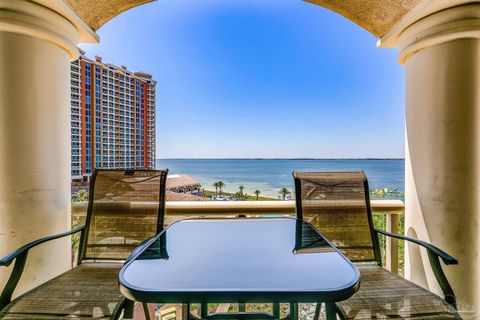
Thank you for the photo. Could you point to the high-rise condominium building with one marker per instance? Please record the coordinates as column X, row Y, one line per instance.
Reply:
column 113, row 117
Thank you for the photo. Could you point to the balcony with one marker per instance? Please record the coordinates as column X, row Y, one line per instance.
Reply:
column 438, row 45
column 390, row 212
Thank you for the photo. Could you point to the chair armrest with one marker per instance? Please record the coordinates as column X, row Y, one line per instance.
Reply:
column 7, row 260
column 434, row 256
column 447, row 259
column 20, row 257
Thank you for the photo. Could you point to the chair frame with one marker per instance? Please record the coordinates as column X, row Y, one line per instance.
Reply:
column 20, row 255
column 161, row 211
column 434, row 253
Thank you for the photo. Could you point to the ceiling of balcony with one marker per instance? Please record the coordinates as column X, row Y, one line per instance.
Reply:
column 98, row 12
column 376, row 16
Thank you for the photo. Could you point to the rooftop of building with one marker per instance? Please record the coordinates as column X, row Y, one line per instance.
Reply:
column 122, row 68
column 174, row 196
column 180, row 180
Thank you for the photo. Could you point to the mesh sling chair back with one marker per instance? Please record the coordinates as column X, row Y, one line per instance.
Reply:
column 126, row 207
column 337, row 204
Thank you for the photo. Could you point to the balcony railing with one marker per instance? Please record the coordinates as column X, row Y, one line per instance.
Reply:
column 390, row 209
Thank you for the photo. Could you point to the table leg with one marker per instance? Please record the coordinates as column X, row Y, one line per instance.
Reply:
column 331, row 311
column 204, row 310
column 293, row 311
column 276, row 310
column 186, row 311
column 129, row 309
column 317, row 311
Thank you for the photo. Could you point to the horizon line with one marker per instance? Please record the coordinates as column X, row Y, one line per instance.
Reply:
column 280, row 159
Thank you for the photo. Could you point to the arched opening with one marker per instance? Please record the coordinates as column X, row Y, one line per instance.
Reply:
column 269, row 80
column 438, row 41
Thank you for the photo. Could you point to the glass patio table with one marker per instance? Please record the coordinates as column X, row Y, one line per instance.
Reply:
column 268, row 260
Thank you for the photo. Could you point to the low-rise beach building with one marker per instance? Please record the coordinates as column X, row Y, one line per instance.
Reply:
column 182, row 183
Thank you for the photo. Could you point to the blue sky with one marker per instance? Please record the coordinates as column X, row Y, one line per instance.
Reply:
column 265, row 78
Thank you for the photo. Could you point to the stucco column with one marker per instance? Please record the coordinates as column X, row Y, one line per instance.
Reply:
column 441, row 54
column 36, row 47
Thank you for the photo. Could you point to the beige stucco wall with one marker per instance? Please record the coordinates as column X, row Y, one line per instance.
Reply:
column 34, row 152
column 442, row 161
column 36, row 46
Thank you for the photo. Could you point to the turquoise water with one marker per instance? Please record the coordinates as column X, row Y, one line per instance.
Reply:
column 269, row 176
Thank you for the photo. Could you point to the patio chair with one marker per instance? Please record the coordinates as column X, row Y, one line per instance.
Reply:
column 125, row 208
column 338, row 205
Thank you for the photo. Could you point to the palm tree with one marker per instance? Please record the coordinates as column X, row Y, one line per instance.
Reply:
column 81, row 195
column 220, row 186
column 216, row 185
column 241, row 189
column 257, row 193
column 238, row 196
column 284, row 192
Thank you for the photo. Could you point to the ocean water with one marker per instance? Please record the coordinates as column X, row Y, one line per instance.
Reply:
column 269, row 175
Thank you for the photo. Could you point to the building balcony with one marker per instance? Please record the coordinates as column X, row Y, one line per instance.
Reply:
column 389, row 212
